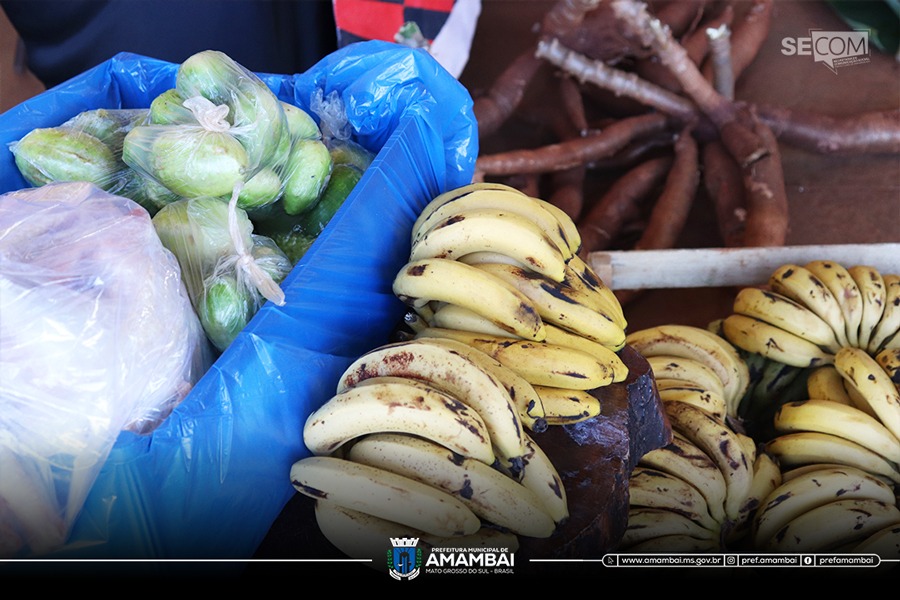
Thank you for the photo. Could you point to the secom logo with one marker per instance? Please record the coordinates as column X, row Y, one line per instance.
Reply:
column 833, row 48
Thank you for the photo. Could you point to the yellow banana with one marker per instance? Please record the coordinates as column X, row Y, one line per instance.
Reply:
column 451, row 316
column 766, row 477
column 826, row 383
column 687, row 370
column 557, row 304
column 657, row 489
column 487, row 256
column 603, row 354
column 564, row 406
column 737, row 364
column 455, row 371
column 593, row 291
column 383, row 494
column 722, row 445
column 791, row 472
column 672, row 390
column 760, row 337
column 889, row 324
column 512, row 201
column 838, row 419
column 444, row 280
column 873, row 292
column 889, row 359
column 526, row 400
column 699, row 344
column 490, row 494
column 784, row 313
column 801, row 285
column 541, row 477
column 569, row 228
column 840, row 283
column 815, row 486
column 363, row 536
column 834, row 525
column 684, row 460
column 645, row 523
column 864, row 375
column 539, row 363
column 885, row 543
column 463, row 190
column 492, row 230
column 808, row 447
column 398, row 404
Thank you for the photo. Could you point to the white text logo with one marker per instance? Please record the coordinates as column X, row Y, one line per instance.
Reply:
column 833, row 48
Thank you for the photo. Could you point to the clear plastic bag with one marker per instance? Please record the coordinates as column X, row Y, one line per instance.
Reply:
column 88, row 147
column 97, row 337
column 221, row 128
column 228, row 271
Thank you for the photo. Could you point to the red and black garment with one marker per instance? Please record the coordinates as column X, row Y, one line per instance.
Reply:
column 360, row 20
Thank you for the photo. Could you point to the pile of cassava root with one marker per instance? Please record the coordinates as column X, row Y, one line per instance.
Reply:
column 643, row 93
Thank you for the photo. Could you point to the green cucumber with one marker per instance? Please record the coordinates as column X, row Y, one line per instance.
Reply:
column 225, row 309
column 344, row 178
column 53, row 154
column 306, row 174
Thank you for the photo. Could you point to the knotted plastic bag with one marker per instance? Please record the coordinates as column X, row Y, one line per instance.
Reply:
column 88, row 147
column 97, row 337
column 220, row 129
column 228, row 271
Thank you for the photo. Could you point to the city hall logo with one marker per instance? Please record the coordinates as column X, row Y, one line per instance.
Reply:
column 834, row 49
column 405, row 558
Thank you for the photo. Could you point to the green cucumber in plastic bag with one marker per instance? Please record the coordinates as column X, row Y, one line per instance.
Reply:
column 198, row 233
column 227, row 303
column 308, row 170
column 255, row 113
column 168, row 109
column 226, row 277
column 56, row 154
column 344, row 178
column 109, row 125
column 190, row 160
column 225, row 308
column 301, row 124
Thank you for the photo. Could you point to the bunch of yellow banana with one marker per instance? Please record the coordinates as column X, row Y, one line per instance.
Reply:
column 685, row 346
column 830, row 333
column 499, row 270
column 807, row 313
column 699, row 492
column 851, row 417
column 424, row 438
column 829, row 507
column 839, row 452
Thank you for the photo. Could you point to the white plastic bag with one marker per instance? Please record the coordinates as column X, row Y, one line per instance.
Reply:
column 97, row 336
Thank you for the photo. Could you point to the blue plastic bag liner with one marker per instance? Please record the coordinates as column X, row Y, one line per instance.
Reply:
column 211, row 480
